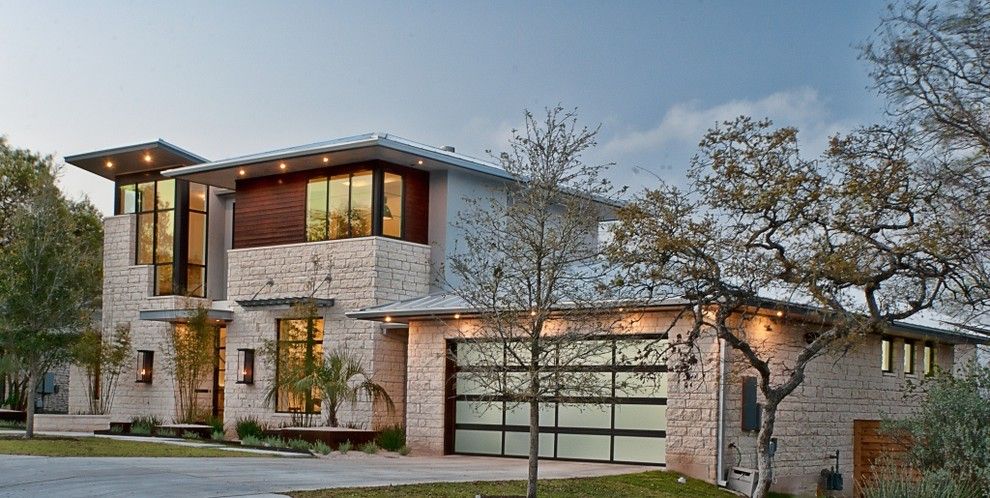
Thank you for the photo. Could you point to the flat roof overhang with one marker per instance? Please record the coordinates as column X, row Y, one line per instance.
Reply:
column 368, row 147
column 182, row 315
column 132, row 159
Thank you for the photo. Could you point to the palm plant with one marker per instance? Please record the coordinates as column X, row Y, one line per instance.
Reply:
column 338, row 379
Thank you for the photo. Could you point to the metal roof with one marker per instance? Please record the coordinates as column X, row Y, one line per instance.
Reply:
column 284, row 301
column 182, row 315
column 446, row 304
column 379, row 145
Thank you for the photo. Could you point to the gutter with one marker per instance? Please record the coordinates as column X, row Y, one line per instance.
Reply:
column 720, row 438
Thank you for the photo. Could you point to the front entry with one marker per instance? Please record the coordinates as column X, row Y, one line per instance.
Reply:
column 219, row 370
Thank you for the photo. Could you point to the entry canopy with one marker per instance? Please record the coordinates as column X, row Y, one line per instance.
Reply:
column 131, row 159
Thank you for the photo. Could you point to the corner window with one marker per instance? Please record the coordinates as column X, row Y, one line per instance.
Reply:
column 348, row 205
column 909, row 357
column 887, row 355
column 929, row 359
column 299, row 351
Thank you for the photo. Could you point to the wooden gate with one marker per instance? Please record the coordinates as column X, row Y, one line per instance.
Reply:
column 869, row 446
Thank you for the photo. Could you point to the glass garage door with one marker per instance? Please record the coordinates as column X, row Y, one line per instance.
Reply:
column 626, row 424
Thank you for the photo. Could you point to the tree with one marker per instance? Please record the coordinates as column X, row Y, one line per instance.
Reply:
column 102, row 359
column 860, row 235
column 49, row 283
column 22, row 174
column 340, row 378
column 531, row 251
column 189, row 351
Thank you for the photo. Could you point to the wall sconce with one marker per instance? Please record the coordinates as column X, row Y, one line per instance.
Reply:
column 144, row 366
column 245, row 366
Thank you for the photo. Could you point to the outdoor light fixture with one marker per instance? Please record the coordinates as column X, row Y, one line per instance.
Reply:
column 457, row 316
column 420, row 162
column 326, row 160
column 245, row 366
column 109, row 164
column 281, row 165
column 144, row 366
column 241, row 172
column 780, row 314
column 147, row 158
column 388, row 319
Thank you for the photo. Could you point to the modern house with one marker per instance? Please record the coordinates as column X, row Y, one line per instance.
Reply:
column 362, row 226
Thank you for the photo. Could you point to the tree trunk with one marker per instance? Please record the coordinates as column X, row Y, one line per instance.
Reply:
column 764, row 460
column 534, row 446
column 32, row 389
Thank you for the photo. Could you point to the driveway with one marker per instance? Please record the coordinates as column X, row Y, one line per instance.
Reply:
column 194, row 477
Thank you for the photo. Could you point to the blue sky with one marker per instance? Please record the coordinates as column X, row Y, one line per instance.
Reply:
column 231, row 78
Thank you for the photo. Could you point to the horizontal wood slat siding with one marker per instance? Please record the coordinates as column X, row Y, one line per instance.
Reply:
column 870, row 447
column 270, row 212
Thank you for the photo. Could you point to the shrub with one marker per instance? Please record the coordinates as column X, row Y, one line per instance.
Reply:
column 144, row 425
column 249, row 427
column 391, row 438
column 274, row 442
column 932, row 485
column 344, row 447
column 190, row 435
column 298, row 444
column 405, row 450
column 321, row 448
column 11, row 424
column 369, row 448
column 251, row 441
column 166, row 433
column 218, row 436
column 215, row 423
column 116, row 430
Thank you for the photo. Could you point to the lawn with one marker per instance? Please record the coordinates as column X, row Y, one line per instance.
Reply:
column 654, row 484
column 104, row 447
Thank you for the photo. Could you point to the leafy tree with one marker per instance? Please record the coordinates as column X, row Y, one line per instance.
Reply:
column 189, row 351
column 859, row 234
column 49, row 283
column 102, row 360
column 22, row 174
column 339, row 379
column 531, row 249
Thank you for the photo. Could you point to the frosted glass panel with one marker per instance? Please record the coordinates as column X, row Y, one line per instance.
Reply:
column 479, row 412
column 585, row 415
column 519, row 414
column 471, row 384
column 640, row 449
column 635, row 352
column 586, row 384
column 587, row 353
column 640, row 385
column 583, row 446
column 472, row 353
column 645, row 417
column 489, row 442
column 517, row 443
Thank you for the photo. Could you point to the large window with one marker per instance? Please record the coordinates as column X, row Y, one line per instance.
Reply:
column 343, row 206
column 164, row 209
column 300, row 349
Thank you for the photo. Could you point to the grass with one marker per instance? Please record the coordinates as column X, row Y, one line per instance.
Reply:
column 655, row 484
column 104, row 447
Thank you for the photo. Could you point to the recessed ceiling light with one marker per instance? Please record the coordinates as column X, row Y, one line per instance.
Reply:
column 109, row 164
column 281, row 165
column 388, row 319
column 241, row 172
column 420, row 162
column 326, row 159
column 147, row 158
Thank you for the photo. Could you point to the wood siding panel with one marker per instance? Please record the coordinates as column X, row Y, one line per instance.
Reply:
column 870, row 446
column 417, row 206
column 270, row 211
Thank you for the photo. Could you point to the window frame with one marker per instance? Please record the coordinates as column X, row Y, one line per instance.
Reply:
column 909, row 359
column 310, row 401
column 887, row 358
column 377, row 201
column 929, row 359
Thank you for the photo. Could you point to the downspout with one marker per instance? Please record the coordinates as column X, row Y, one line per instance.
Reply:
column 720, row 457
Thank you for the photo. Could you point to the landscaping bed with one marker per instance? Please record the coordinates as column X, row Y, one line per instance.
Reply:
column 106, row 447
column 331, row 436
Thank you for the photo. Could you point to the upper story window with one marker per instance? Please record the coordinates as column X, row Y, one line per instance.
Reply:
column 929, row 356
column 355, row 204
column 909, row 357
column 171, row 232
column 887, row 354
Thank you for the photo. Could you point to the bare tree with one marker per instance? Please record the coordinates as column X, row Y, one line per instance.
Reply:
column 531, row 252
column 858, row 235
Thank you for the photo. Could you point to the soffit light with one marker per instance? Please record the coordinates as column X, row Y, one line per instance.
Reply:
column 147, row 158
column 281, row 166
column 420, row 162
column 326, row 160
column 388, row 319
column 109, row 164
column 242, row 172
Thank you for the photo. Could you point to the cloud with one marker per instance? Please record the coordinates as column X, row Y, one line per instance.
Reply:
column 684, row 124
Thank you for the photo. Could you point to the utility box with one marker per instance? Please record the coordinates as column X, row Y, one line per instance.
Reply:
column 742, row 480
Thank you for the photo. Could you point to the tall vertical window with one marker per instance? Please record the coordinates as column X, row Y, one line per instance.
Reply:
column 196, row 249
column 155, row 204
column 392, row 205
column 340, row 206
column 908, row 357
column 300, row 350
column 929, row 359
column 887, row 355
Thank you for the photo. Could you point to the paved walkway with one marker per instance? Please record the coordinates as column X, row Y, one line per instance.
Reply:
column 196, row 477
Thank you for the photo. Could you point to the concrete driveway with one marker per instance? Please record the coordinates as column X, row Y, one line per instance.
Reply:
column 194, row 477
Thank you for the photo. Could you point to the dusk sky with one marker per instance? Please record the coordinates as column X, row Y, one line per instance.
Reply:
column 233, row 78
